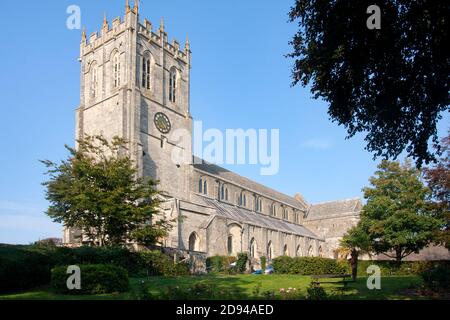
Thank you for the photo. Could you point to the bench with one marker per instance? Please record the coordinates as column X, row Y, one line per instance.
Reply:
column 319, row 279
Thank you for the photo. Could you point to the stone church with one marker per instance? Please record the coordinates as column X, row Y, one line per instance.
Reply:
column 136, row 84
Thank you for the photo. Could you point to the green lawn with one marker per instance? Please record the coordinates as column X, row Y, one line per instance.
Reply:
column 244, row 287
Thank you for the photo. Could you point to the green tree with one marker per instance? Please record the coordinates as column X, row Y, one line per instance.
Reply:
column 438, row 180
column 96, row 190
column 391, row 84
column 354, row 243
column 398, row 219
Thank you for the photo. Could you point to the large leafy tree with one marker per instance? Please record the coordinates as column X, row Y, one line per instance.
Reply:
column 438, row 180
column 398, row 219
column 392, row 83
column 96, row 190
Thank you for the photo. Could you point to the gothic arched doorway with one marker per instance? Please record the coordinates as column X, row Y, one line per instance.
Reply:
column 194, row 242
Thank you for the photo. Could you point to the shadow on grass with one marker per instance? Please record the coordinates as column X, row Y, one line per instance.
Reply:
column 241, row 287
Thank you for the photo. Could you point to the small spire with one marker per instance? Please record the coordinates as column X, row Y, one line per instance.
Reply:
column 161, row 27
column 187, row 46
column 105, row 21
column 136, row 6
column 127, row 6
column 83, row 35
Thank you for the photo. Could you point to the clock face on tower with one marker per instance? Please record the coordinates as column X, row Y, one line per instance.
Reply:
column 162, row 123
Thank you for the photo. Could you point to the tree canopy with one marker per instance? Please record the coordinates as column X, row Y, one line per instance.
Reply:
column 391, row 84
column 97, row 190
column 438, row 180
column 398, row 218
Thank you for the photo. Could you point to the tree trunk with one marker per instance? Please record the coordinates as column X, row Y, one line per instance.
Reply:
column 398, row 257
column 354, row 264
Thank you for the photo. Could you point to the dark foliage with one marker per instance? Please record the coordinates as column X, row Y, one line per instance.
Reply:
column 391, row 83
column 308, row 266
column 95, row 279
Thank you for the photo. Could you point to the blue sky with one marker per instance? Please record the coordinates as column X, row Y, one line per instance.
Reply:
column 240, row 79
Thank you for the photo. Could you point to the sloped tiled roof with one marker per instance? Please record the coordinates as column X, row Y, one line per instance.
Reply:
column 325, row 209
column 246, row 183
column 256, row 219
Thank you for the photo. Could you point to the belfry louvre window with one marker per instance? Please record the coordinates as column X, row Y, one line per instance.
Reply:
column 116, row 70
column 146, row 73
column 173, row 85
column 94, row 82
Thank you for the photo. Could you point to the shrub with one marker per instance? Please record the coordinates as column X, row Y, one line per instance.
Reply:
column 22, row 267
column 156, row 263
column 283, row 264
column 95, row 279
column 437, row 277
column 241, row 263
column 308, row 266
column 219, row 263
column 316, row 292
column 263, row 263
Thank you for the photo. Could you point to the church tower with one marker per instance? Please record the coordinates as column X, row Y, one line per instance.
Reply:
column 136, row 85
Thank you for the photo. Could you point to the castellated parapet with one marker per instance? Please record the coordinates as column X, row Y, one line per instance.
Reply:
column 159, row 38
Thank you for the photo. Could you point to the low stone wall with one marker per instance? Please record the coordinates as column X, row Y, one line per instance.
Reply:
column 197, row 260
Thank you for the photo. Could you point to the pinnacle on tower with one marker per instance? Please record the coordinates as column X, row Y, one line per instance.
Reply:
column 105, row 22
column 83, row 35
column 161, row 27
column 127, row 6
column 187, row 46
column 136, row 6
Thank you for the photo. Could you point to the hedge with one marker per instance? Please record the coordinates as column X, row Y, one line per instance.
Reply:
column 94, row 278
column 219, row 263
column 23, row 267
column 406, row 268
column 437, row 277
column 308, row 266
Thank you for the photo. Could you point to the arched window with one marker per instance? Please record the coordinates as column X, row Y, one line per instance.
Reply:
column 173, row 85
column 226, row 194
column 285, row 214
column 94, row 81
column 194, row 242
column 285, row 250
column 146, row 72
column 298, row 252
column 200, row 185
column 320, row 252
column 310, row 251
column 243, row 199
column 205, row 187
column 256, row 204
column 269, row 250
column 116, row 70
column 253, row 248
column 230, row 245
column 260, row 205
column 274, row 210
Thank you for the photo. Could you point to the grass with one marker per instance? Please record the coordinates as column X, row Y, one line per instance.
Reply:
column 394, row 287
